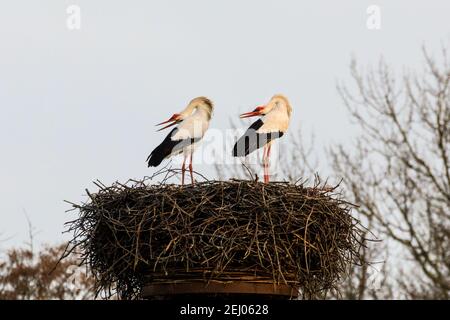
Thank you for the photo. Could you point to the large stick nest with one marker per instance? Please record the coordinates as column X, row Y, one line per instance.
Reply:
column 134, row 233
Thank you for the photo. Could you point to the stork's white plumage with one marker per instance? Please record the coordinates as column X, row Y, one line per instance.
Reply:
column 272, row 125
column 193, row 122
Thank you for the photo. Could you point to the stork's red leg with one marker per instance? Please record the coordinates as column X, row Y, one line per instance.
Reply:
column 268, row 162
column 191, row 170
column 266, row 173
column 183, row 170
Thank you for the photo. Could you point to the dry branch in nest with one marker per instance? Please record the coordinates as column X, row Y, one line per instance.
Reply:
column 136, row 233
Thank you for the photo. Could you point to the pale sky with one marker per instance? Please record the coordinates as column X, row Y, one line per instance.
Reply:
column 80, row 105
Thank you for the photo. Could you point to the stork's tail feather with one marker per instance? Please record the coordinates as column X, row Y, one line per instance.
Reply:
column 162, row 151
column 252, row 141
column 155, row 159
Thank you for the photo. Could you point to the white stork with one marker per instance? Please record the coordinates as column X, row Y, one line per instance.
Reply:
column 262, row 133
column 193, row 122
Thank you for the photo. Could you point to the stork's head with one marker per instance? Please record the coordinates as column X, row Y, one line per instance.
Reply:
column 280, row 101
column 199, row 103
column 277, row 100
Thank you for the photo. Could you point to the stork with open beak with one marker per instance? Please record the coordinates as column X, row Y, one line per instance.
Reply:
column 273, row 124
column 192, row 122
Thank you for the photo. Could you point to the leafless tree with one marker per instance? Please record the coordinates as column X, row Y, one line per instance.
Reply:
column 398, row 170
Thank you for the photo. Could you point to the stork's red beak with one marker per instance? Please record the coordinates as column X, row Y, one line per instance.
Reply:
column 173, row 121
column 257, row 112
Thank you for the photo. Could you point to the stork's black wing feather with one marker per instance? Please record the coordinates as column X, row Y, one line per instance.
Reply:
column 168, row 147
column 162, row 151
column 252, row 140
